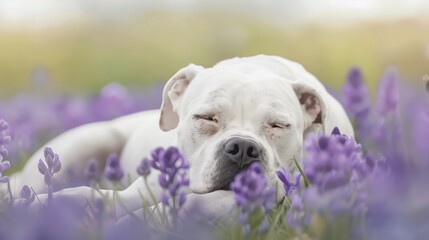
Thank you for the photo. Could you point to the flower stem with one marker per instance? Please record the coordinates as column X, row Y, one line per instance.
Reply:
column 307, row 182
column 149, row 190
column 9, row 189
column 50, row 193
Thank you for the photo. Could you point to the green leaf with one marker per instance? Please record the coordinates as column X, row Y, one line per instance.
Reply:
column 307, row 182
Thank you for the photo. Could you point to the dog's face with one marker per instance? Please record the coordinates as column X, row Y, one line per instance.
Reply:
column 228, row 119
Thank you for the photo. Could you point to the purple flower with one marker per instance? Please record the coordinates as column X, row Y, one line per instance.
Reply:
column 166, row 160
column 420, row 127
column 296, row 217
column 113, row 170
column 173, row 169
column 405, row 217
column 27, row 194
column 3, row 125
column 336, row 131
column 383, row 132
column 36, row 117
column 250, row 187
column 356, row 95
column 144, row 168
column 338, row 173
column 252, row 192
column 388, row 92
column 350, row 199
column 52, row 160
column 114, row 100
column 5, row 138
column 331, row 161
column 286, row 179
column 49, row 167
column 92, row 171
column 3, row 167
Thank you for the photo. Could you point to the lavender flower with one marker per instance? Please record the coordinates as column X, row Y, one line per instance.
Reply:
column 405, row 217
column 251, row 192
column 286, row 178
column 331, row 161
column 356, row 95
column 92, row 171
column 390, row 201
column 420, row 123
column 402, row 172
column 28, row 195
column 114, row 100
column 144, row 168
column 4, row 138
column 296, row 217
column 113, row 170
column 50, row 166
column 3, row 167
column 338, row 171
column 250, row 188
column 388, row 92
column 387, row 128
column 173, row 174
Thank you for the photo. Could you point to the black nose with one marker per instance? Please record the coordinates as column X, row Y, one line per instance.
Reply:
column 241, row 151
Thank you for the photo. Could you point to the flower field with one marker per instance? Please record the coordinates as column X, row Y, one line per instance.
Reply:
column 371, row 186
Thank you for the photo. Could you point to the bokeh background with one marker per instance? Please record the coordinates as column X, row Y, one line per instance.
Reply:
column 77, row 47
column 64, row 63
column 67, row 63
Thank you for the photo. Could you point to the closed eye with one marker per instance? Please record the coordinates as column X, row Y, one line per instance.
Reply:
column 206, row 117
column 279, row 125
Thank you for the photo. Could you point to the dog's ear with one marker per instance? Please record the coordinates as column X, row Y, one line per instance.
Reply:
column 313, row 106
column 172, row 95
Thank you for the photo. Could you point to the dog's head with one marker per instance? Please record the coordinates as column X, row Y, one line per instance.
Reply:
column 228, row 119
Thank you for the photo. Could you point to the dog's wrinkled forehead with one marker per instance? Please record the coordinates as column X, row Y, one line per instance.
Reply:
column 228, row 89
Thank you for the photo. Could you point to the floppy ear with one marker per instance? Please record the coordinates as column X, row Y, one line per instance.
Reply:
column 312, row 105
column 172, row 95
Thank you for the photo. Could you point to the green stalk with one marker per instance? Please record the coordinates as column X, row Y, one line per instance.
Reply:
column 154, row 201
column 307, row 182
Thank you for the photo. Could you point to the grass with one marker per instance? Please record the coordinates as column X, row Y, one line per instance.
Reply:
column 83, row 56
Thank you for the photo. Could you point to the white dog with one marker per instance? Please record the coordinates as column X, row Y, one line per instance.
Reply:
column 222, row 118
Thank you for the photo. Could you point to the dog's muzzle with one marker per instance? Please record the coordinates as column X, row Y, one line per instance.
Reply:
column 241, row 151
column 234, row 155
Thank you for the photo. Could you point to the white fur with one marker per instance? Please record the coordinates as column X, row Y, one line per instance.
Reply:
column 245, row 94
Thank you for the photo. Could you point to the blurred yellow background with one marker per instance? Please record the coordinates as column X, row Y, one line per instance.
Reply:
column 140, row 45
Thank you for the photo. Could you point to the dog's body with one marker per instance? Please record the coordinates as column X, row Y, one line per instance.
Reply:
column 222, row 118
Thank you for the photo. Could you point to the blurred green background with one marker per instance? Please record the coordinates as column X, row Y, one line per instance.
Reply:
column 140, row 45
